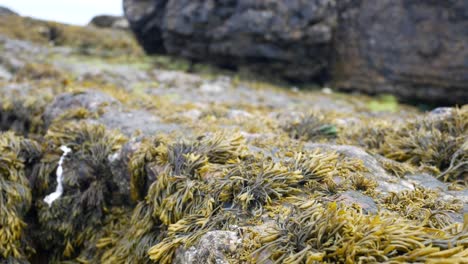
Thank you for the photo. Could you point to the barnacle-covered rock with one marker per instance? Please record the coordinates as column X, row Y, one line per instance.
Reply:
column 213, row 247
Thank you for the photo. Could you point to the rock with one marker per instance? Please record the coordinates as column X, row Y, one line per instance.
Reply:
column 110, row 113
column 130, row 122
column 92, row 101
column 213, row 247
column 414, row 50
column 388, row 183
column 290, row 38
column 216, row 86
column 4, row 11
column 354, row 197
column 108, row 21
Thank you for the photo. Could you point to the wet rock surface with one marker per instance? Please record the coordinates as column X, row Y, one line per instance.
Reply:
column 172, row 164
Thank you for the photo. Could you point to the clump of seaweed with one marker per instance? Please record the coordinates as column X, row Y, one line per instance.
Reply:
column 436, row 143
column 369, row 135
column 157, row 153
column 423, row 205
column 332, row 233
column 21, row 110
column 251, row 185
column 394, row 167
column 36, row 71
column 91, row 192
column 15, row 196
column 311, row 127
column 328, row 172
column 179, row 204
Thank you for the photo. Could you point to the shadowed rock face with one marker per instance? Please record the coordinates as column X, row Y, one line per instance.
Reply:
column 290, row 38
column 413, row 49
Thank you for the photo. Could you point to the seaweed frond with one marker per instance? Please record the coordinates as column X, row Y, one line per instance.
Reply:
column 334, row 233
column 15, row 195
column 252, row 185
column 311, row 127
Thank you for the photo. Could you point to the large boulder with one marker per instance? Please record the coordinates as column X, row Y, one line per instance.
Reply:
column 109, row 21
column 413, row 49
column 290, row 38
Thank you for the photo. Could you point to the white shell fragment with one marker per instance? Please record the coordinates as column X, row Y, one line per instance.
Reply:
column 49, row 199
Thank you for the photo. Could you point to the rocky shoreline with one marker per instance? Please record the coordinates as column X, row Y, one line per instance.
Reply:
column 171, row 166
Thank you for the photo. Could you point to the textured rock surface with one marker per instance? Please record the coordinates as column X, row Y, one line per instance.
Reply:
column 213, row 247
column 289, row 38
column 413, row 49
column 109, row 112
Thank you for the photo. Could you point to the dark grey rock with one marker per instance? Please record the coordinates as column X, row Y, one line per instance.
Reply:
column 415, row 50
column 108, row 21
column 289, row 38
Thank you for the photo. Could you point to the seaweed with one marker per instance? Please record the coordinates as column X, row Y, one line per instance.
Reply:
column 254, row 184
column 154, row 199
column 15, row 196
column 179, row 202
column 311, row 127
column 424, row 206
column 89, row 187
column 331, row 233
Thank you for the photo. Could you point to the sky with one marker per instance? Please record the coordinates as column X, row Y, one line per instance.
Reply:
column 78, row 12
